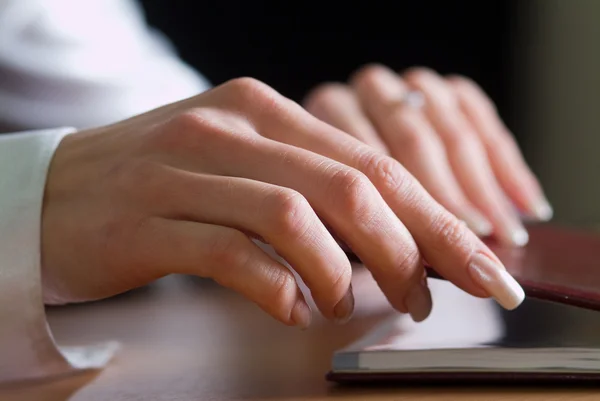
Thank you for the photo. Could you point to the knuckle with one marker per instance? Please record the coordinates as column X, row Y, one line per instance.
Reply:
column 351, row 190
column 408, row 263
column 184, row 129
column 387, row 174
column 253, row 93
column 449, row 231
column 189, row 121
column 246, row 85
column 284, row 292
column 290, row 213
column 194, row 128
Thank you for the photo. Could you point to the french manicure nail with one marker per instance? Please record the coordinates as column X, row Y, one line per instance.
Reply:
column 344, row 308
column 418, row 302
column 513, row 234
column 542, row 210
column 498, row 283
column 301, row 314
column 479, row 224
column 519, row 236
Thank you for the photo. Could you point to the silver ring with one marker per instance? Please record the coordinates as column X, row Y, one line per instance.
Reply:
column 414, row 99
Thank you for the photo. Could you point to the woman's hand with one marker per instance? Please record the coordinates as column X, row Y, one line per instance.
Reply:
column 183, row 188
column 446, row 132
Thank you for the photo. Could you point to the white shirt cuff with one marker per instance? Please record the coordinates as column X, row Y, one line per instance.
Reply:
column 27, row 349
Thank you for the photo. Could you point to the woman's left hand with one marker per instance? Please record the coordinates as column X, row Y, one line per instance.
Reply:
column 447, row 133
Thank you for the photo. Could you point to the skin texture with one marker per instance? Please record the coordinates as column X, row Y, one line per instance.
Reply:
column 455, row 145
column 184, row 188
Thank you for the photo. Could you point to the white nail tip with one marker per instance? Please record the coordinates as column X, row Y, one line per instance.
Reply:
column 483, row 227
column 543, row 211
column 520, row 237
column 480, row 225
column 514, row 294
column 496, row 281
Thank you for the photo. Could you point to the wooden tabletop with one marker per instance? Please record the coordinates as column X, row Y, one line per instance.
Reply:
column 188, row 339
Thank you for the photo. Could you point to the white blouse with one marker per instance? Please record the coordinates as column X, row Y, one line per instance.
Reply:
column 63, row 63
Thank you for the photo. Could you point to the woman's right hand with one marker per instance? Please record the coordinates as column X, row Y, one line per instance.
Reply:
column 181, row 189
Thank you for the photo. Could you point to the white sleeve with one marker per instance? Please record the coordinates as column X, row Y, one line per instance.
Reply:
column 84, row 63
column 27, row 349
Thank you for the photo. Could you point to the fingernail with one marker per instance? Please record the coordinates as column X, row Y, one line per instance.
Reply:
column 478, row 224
column 519, row 236
column 514, row 234
column 542, row 210
column 344, row 309
column 301, row 315
column 498, row 283
column 418, row 302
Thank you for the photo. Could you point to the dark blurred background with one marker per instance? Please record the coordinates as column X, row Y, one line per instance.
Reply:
column 537, row 59
column 293, row 46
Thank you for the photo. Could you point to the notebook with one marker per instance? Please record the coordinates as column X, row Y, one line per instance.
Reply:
column 554, row 336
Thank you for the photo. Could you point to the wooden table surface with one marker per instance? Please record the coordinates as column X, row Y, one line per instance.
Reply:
column 188, row 339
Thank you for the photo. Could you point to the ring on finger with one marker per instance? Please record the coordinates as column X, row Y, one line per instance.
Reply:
column 414, row 99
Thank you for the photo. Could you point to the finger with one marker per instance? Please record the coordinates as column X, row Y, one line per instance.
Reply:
column 338, row 105
column 508, row 164
column 281, row 217
column 343, row 197
column 227, row 256
column 468, row 156
column 413, row 142
column 446, row 244
column 348, row 202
